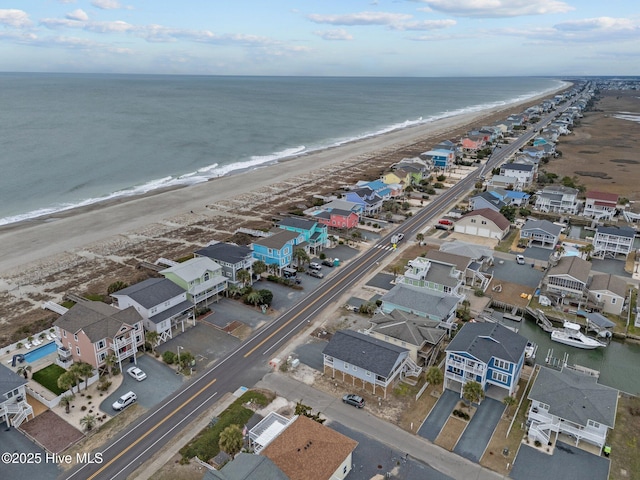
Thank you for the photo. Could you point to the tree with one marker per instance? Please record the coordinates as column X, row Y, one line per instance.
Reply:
column 435, row 376
column 302, row 409
column 420, row 237
column 152, row 337
column 509, row 401
column 254, row 298
column 233, row 291
column 472, row 392
column 301, row 256
column 67, row 381
column 83, row 370
column 587, row 250
column 259, row 267
column 65, row 401
column 244, row 277
column 24, row 370
column 396, row 270
column 110, row 361
column 266, row 296
column 88, row 421
column 231, row 440
column 509, row 212
column 115, row 286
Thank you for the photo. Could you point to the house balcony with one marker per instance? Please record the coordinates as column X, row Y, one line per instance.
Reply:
column 64, row 354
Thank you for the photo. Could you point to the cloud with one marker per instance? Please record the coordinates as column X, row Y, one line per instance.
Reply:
column 599, row 23
column 109, row 5
column 79, row 15
column 361, row 18
column 425, row 25
column 14, row 18
column 66, row 1
column 498, row 8
column 336, row 34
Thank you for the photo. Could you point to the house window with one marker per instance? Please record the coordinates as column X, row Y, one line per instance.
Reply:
column 75, row 337
column 101, row 357
column 137, row 338
column 613, row 301
column 346, row 365
column 484, row 222
column 101, row 344
column 78, row 350
column 500, row 364
column 270, row 251
column 473, row 220
column 456, row 371
column 355, row 369
column 591, row 423
column 136, row 326
column 368, row 374
column 64, row 333
column 206, row 276
column 344, row 470
column 500, row 377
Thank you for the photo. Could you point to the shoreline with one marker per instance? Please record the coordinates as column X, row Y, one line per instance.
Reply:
column 36, row 239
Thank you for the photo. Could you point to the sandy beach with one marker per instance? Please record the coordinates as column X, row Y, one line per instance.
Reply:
column 86, row 249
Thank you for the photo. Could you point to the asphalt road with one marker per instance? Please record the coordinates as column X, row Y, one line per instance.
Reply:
column 145, row 437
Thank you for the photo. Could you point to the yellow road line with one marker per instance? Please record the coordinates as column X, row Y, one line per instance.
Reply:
column 152, row 429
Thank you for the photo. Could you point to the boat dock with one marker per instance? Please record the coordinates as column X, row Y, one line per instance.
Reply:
column 541, row 320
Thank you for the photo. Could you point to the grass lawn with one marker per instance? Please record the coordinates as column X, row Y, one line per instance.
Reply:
column 48, row 378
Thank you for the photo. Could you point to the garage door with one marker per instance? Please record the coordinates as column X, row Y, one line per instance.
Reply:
column 484, row 232
column 472, row 230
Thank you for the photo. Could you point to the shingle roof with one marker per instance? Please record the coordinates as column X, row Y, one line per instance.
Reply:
column 497, row 218
column 297, row 222
column 193, row 269
column 308, row 450
column 607, row 281
column 225, row 252
column 573, row 266
column 98, row 320
column 277, row 240
column 364, row 351
column 10, row 380
column 575, row 396
column 471, row 250
column 431, row 303
column 246, row 466
column 488, row 340
column 151, row 292
column 607, row 197
column 626, row 232
column 544, row 225
column 489, row 198
column 459, row 261
column 521, row 167
column 408, row 327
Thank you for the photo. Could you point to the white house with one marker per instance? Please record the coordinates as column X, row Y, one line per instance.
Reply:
column 613, row 241
column 14, row 408
column 600, row 205
column 558, row 199
column 608, row 291
column 524, row 172
column 483, row 223
column 540, row 233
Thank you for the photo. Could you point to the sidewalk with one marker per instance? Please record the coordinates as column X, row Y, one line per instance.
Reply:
column 417, row 447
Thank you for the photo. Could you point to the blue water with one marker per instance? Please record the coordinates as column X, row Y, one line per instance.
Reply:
column 75, row 139
column 40, row 352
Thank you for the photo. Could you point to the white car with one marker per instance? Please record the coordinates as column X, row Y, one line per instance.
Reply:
column 520, row 259
column 124, row 401
column 136, row 373
column 315, row 266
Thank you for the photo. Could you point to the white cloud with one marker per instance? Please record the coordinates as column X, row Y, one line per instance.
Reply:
column 117, row 26
column 599, row 23
column 14, row 18
column 79, row 15
column 109, row 5
column 425, row 25
column 336, row 34
column 361, row 18
column 498, row 8
column 66, row 1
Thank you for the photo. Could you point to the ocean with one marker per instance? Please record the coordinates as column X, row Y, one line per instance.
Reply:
column 70, row 140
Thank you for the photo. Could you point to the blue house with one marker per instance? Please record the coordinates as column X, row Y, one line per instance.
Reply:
column 277, row 249
column 382, row 189
column 315, row 234
column 440, row 157
column 487, row 353
column 368, row 201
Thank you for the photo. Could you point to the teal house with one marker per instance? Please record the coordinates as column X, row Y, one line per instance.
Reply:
column 315, row 235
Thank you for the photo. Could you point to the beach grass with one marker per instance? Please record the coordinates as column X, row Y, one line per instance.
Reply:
column 48, row 378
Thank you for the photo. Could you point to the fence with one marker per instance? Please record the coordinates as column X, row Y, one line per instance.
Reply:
column 51, row 403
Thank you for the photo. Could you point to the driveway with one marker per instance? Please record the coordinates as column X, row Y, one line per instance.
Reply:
column 438, row 415
column 310, row 354
column 13, row 441
column 226, row 311
column 161, row 381
column 476, row 436
column 567, row 462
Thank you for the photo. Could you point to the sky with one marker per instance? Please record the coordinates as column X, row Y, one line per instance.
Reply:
column 431, row 38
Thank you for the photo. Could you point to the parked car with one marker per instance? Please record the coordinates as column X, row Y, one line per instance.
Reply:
column 327, row 263
column 136, row 373
column 352, row 399
column 315, row 273
column 315, row 266
column 520, row 259
column 124, row 401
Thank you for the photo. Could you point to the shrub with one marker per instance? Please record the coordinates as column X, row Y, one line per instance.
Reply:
column 83, row 408
column 438, row 185
column 169, row 357
column 537, row 443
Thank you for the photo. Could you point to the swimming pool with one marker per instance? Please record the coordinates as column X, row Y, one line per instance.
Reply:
column 40, row 352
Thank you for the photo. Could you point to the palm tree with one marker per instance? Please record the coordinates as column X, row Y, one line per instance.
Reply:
column 233, row 291
column 88, row 421
column 83, row 370
column 472, row 392
column 301, row 256
column 24, row 371
column 420, row 237
column 152, row 338
column 435, row 376
column 110, row 361
column 244, row 277
column 231, row 440
column 509, row 401
column 115, row 286
column 259, row 267
column 67, row 381
column 255, row 298
column 65, row 401
column 587, row 250
column 396, row 270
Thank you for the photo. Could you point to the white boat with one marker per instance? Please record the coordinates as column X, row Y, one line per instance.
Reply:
column 572, row 336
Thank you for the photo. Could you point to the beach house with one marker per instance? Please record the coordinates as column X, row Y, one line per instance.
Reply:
column 557, row 199
column 423, row 302
column 162, row 304
column 524, row 173
column 14, row 408
column 487, row 353
column 366, row 362
column 201, row 277
column 314, row 233
column 571, row 403
column 277, row 249
column 231, row 257
column 600, row 205
column 368, row 202
column 486, row 200
column 90, row 331
column 568, row 279
column 608, row 291
column 540, row 233
column 433, row 275
column 474, row 274
column 484, row 222
column 613, row 242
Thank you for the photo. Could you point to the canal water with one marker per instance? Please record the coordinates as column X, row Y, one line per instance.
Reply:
column 617, row 363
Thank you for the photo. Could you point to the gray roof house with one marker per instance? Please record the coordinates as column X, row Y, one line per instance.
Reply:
column 608, row 291
column 246, row 466
column 231, row 257
column 569, row 277
column 162, row 304
column 14, row 408
column 424, row 303
column 366, row 362
column 572, row 403
column 613, row 241
column 540, row 233
column 488, row 353
column 420, row 335
column 485, row 200
column 484, row 222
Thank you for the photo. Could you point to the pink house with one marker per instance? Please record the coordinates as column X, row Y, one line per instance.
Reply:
column 338, row 218
column 472, row 143
column 90, row 331
column 600, row 205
